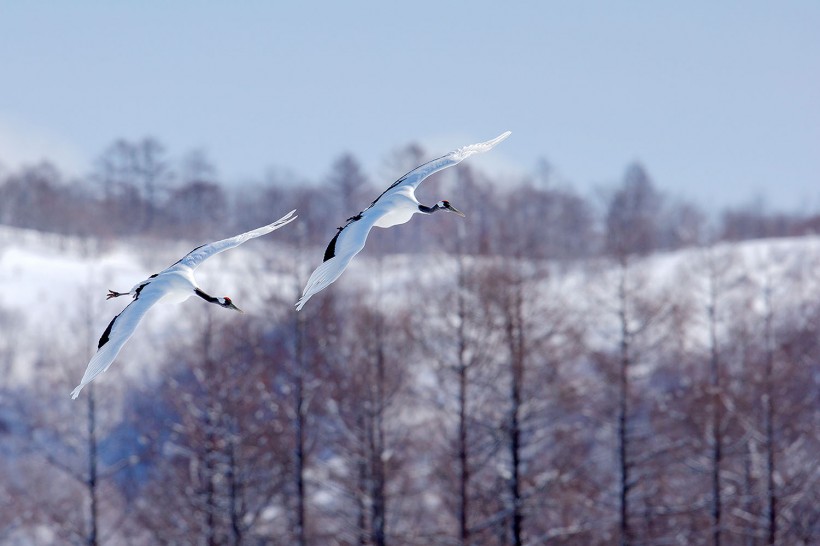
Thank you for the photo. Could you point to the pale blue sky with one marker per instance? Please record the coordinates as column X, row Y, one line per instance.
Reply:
column 719, row 100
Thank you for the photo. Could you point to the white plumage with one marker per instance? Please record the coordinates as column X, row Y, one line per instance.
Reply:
column 395, row 206
column 174, row 284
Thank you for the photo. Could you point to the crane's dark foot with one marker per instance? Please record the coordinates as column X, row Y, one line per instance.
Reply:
column 112, row 294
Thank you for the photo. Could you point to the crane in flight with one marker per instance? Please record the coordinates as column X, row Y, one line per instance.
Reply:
column 174, row 284
column 396, row 205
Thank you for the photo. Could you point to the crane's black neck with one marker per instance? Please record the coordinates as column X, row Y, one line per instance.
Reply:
column 428, row 210
column 206, row 297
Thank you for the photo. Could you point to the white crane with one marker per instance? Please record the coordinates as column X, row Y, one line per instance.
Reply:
column 175, row 284
column 395, row 206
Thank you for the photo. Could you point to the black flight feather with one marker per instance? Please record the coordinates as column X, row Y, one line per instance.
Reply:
column 104, row 338
column 330, row 252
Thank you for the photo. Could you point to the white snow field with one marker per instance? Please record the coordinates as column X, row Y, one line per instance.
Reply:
column 53, row 287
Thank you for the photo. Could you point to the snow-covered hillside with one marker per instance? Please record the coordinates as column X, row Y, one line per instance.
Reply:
column 53, row 285
column 555, row 355
column 54, row 290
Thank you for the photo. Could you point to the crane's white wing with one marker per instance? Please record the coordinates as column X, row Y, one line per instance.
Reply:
column 202, row 253
column 415, row 177
column 118, row 332
column 348, row 242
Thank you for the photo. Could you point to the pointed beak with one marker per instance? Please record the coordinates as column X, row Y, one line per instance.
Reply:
column 451, row 208
column 234, row 307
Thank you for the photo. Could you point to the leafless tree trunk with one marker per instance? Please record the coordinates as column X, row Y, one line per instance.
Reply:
column 716, row 413
column 624, row 465
column 299, row 405
column 301, row 398
column 362, row 489
column 234, row 495
column 505, row 299
column 461, row 371
column 515, row 340
column 91, row 477
column 462, row 366
column 768, row 417
column 375, row 433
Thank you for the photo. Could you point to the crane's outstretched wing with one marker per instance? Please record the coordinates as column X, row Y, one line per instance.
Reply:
column 415, row 177
column 118, row 332
column 348, row 242
column 202, row 253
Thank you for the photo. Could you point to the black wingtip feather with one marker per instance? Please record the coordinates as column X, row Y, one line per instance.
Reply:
column 104, row 338
column 330, row 252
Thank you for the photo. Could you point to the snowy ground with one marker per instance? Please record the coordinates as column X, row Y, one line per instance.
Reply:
column 54, row 287
column 54, row 290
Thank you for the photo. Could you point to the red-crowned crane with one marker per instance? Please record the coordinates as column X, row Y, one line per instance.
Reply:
column 174, row 284
column 395, row 206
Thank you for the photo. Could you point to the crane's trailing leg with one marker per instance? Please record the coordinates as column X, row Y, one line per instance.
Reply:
column 113, row 294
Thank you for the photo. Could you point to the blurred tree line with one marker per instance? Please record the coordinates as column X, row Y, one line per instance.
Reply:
column 567, row 394
column 136, row 189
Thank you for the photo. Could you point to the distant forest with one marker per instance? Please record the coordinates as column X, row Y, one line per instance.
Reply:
column 135, row 189
column 553, row 369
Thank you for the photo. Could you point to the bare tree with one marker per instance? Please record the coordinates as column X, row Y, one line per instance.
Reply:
column 197, row 210
column 152, row 172
column 636, row 319
column 63, row 445
column 367, row 440
column 132, row 175
column 631, row 217
column 301, row 338
column 220, row 457
column 39, row 197
column 721, row 275
column 547, row 223
column 197, row 207
column 352, row 188
column 456, row 332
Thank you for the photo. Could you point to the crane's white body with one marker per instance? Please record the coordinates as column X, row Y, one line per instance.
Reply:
column 398, row 208
column 174, row 284
column 393, row 207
